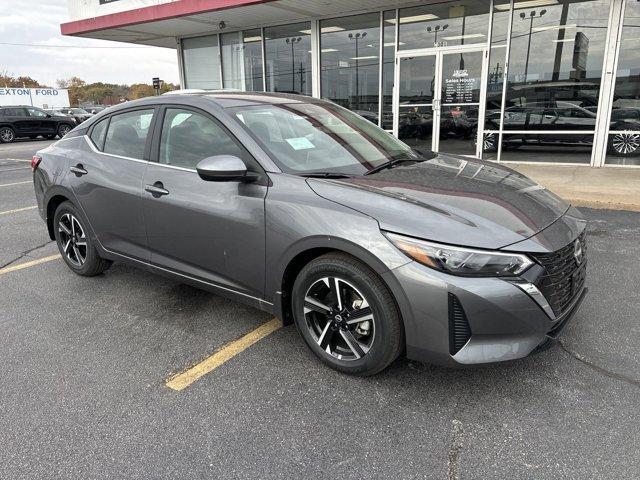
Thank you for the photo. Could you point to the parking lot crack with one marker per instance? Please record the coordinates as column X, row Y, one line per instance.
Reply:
column 24, row 254
column 598, row 368
column 453, row 467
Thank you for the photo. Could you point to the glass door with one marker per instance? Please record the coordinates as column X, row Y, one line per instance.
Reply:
column 438, row 99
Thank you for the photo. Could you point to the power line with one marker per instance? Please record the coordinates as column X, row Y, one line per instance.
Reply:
column 62, row 46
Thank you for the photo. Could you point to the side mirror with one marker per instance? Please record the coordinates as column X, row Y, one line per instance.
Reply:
column 222, row 168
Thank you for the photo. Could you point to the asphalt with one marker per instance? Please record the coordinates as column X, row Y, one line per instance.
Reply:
column 84, row 364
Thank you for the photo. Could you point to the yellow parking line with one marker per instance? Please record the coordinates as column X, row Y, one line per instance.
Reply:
column 16, row 183
column 32, row 263
column 23, row 209
column 183, row 380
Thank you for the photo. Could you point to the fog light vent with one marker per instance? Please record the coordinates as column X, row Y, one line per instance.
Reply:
column 459, row 330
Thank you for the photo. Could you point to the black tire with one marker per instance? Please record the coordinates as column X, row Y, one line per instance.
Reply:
column 63, row 129
column 71, row 249
column 7, row 135
column 385, row 340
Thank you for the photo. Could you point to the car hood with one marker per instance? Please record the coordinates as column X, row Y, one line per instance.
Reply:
column 450, row 199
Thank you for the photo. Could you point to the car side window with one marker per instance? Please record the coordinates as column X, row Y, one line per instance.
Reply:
column 98, row 133
column 127, row 134
column 188, row 137
column 34, row 112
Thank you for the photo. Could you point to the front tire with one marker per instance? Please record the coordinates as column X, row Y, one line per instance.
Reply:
column 347, row 315
column 74, row 242
column 7, row 135
column 624, row 144
column 63, row 130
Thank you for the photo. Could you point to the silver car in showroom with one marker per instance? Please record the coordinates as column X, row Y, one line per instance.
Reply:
column 303, row 209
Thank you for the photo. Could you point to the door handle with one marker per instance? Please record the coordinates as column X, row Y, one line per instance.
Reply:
column 78, row 170
column 157, row 189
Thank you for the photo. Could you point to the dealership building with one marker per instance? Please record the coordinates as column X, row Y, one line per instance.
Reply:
column 545, row 81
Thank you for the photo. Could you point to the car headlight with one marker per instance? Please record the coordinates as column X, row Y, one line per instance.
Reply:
column 461, row 261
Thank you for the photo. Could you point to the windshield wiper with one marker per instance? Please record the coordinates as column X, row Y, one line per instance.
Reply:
column 325, row 175
column 392, row 163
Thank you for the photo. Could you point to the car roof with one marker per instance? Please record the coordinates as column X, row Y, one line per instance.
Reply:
column 222, row 99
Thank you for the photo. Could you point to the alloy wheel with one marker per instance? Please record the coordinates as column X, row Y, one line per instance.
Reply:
column 339, row 318
column 6, row 135
column 489, row 142
column 626, row 143
column 72, row 239
column 63, row 130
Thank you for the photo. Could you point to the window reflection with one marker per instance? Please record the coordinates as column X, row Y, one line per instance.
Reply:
column 252, row 48
column 288, row 58
column 624, row 140
column 232, row 60
column 201, row 62
column 445, row 24
column 557, row 53
column 388, row 68
column 555, row 147
column 350, row 63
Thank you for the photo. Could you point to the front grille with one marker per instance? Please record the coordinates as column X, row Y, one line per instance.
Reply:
column 563, row 277
column 459, row 330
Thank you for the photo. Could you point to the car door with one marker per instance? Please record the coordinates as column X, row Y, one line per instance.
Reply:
column 43, row 123
column 107, row 176
column 211, row 231
column 23, row 124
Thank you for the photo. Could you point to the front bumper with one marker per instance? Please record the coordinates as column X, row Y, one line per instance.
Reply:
column 504, row 322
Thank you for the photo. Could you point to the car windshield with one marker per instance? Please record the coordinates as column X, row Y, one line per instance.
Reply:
column 308, row 138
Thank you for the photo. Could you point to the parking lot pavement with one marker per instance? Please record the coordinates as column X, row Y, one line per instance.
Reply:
column 85, row 364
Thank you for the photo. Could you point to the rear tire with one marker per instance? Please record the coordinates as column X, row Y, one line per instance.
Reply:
column 360, row 334
column 7, row 135
column 74, row 242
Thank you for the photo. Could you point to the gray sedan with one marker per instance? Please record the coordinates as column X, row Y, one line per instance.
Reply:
column 304, row 209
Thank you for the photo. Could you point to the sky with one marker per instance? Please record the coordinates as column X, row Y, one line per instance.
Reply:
column 49, row 56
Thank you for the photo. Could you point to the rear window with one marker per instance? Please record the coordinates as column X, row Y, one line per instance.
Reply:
column 127, row 134
column 98, row 133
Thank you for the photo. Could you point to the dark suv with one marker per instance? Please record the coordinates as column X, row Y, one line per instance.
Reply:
column 25, row 121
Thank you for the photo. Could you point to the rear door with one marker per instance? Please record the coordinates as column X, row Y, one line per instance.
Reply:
column 212, row 231
column 107, row 180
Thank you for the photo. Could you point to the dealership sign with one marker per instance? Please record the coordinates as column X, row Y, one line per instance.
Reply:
column 35, row 97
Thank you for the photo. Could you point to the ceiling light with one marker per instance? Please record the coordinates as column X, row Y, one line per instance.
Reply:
column 461, row 37
column 329, row 50
column 526, row 4
column 369, row 57
column 252, row 39
column 565, row 40
column 415, row 18
column 553, row 27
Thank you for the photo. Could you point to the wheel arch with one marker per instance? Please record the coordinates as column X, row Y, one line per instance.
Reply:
column 309, row 249
column 52, row 201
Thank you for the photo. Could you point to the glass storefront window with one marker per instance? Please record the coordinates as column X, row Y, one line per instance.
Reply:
column 388, row 68
column 623, row 146
column 350, row 63
column 551, row 147
column 288, row 58
column 444, row 24
column 497, row 62
column 201, row 61
column 556, row 55
column 232, row 60
column 252, row 47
